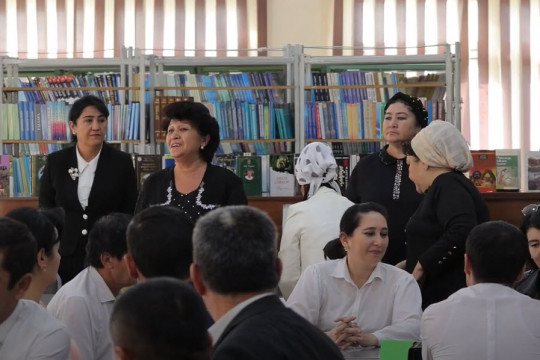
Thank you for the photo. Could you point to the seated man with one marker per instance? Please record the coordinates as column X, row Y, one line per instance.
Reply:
column 85, row 303
column 27, row 331
column 161, row 319
column 236, row 270
column 488, row 319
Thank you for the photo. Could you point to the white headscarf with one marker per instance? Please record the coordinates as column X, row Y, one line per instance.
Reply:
column 441, row 144
column 316, row 165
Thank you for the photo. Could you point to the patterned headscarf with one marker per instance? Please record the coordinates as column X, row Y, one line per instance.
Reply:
column 316, row 165
column 440, row 144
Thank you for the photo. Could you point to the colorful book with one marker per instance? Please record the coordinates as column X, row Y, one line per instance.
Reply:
column 37, row 164
column 508, row 172
column 146, row 164
column 282, row 180
column 484, row 169
column 5, row 174
column 248, row 168
column 533, row 170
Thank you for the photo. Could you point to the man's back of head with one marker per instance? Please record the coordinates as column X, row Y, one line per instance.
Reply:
column 159, row 243
column 234, row 248
column 161, row 319
column 496, row 252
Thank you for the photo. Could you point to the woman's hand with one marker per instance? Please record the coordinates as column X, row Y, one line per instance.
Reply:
column 418, row 272
column 347, row 333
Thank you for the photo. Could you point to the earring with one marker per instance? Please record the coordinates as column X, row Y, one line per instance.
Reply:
column 44, row 268
column 202, row 147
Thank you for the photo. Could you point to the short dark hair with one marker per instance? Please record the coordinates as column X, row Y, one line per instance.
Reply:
column 18, row 248
column 159, row 240
column 414, row 104
column 234, row 248
column 352, row 217
column 497, row 252
column 108, row 235
column 161, row 319
column 531, row 220
column 41, row 225
column 81, row 104
column 198, row 116
column 334, row 250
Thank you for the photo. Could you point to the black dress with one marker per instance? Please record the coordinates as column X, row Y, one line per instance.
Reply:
column 219, row 187
column 437, row 231
column 384, row 179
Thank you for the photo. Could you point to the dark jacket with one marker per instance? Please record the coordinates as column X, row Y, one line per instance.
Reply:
column 114, row 190
column 266, row 329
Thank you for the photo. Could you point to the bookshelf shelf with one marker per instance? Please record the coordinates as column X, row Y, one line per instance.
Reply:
column 401, row 85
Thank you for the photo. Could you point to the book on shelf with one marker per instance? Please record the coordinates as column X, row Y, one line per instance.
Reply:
column 146, row 164
column 248, row 168
column 508, row 169
column 5, row 175
column 533, row 170
column 160, row 101
column 282, row 180
column 483, row 172
column 343, row 171
column 37, row 164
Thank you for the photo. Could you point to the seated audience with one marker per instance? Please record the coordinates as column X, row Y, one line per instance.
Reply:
column 27, row 331
column 488, row 319
column 160, row 319
column 437, row 157
column 236, row 271
column 85, row 303
column 42, row 225
column 359, row 300
column 530, row 226
column 310, row 223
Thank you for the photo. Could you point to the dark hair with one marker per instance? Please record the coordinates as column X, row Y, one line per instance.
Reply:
column 414, row 104
column 234, row 248
column 353, row 216
column 497, row 251
column 40, row 224
column 159, row 240
column 108, row 235
column 199, row 117
column 18, row 248
column 161, row 319
column 531, row 220
column 334, row 250
column 78, row 107
column 408, row 150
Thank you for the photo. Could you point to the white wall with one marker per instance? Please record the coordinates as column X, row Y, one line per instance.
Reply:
column 306, row 22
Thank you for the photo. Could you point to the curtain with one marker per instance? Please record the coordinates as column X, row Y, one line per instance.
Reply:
column 99, row 28
column 499, row 63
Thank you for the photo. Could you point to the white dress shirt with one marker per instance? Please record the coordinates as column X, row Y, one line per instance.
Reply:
column 84, row 305
column 87, row 170
column 388, row 305
column 31, row 333
column 310, row 225
column 485, row 321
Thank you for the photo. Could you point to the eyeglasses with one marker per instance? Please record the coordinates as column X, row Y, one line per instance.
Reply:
column 529, row 209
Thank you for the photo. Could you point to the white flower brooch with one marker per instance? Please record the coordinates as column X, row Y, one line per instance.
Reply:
column 74, row 173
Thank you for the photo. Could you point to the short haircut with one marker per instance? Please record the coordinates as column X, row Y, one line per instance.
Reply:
column 78, row 107
column 198, row 116
column 41, row 225
column 161, row 319
column 352, row 217
column 108, row 235
column 159, row 240
column 234, row 248
column 18, row 248
column 497, row 252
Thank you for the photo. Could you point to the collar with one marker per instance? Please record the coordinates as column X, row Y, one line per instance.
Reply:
column 103, row 292
column 11, row 320
column 83, row 164
column 341, row 271
column 386, row 158
column 217, row 329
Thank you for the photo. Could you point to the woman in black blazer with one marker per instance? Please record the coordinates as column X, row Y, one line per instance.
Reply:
column 88, row 180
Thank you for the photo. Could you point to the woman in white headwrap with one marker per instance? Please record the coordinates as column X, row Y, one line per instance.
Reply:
column 310, row 224
column 437, row 157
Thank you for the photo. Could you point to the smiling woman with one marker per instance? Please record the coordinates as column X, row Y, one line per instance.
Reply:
column 193, row 184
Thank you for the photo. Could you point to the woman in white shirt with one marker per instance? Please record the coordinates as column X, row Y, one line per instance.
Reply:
column 313, row 222
column 358, row 300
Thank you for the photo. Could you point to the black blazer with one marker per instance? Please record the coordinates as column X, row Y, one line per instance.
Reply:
column 266, row 329
column 114, row 190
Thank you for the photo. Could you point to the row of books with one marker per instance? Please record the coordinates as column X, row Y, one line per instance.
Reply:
column 362, row 120
column 353, row 86
column 500, row 170
column 48, row 121
column 19, row 176
column 226, row 80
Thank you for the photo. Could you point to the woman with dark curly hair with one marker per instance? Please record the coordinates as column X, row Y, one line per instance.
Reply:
column 193, row 184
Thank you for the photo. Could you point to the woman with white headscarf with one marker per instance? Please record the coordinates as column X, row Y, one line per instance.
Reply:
column 310, row 224
column 437, row 157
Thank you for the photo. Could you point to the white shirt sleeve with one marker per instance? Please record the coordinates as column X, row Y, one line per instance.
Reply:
column 52, row 346
column 289, row 253
column 305, row 299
